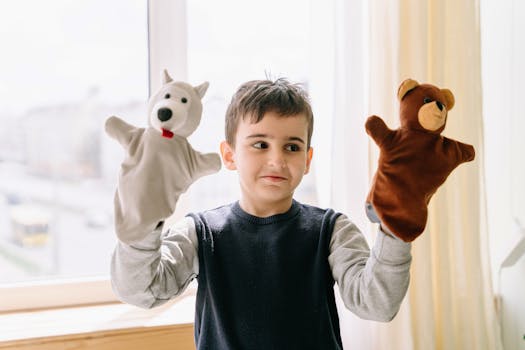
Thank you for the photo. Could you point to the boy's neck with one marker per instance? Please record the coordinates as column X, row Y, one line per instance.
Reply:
column 265, row 209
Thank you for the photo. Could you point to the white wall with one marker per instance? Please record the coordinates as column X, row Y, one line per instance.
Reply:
column 503, row 55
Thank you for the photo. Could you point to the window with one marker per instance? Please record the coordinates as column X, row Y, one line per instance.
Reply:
column 66, row 66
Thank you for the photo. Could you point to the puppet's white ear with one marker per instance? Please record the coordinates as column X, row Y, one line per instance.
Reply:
column 166, row 77
column 202, row 88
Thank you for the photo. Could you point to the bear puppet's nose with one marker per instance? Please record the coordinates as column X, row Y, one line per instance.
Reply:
column 440, row 105
column 164, row 114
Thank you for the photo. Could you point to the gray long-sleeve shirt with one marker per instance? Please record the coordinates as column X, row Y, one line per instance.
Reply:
column 372, row 283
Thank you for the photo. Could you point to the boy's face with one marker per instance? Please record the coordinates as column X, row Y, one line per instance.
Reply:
column 271, row 158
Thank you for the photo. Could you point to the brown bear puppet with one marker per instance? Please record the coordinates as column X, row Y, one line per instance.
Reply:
column 414, row 159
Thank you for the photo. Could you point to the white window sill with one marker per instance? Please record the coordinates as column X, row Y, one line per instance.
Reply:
column 21, row 327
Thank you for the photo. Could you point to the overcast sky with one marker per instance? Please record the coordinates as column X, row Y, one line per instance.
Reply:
column 58, row 50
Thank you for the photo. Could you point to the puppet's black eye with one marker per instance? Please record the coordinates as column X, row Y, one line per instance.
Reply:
column 427, row 100
column 184, row 100
column 167, row 96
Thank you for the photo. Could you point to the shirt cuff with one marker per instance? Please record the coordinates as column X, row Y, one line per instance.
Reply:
column 391, row 250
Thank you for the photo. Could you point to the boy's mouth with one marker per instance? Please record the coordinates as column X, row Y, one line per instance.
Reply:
column 274, row 178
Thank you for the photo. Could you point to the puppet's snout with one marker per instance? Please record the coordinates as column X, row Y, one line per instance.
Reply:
column 164, row 114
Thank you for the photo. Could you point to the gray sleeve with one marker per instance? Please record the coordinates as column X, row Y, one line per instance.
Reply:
column 372, row 283
column 151, row 272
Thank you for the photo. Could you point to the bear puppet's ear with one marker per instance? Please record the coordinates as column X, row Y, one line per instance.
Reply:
column 449, row 99
column 406, row 86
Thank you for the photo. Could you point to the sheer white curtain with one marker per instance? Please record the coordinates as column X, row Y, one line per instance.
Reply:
column 368, row 48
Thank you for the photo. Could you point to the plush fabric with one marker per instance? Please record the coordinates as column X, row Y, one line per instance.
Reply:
column 414, row 159
column 160, row 163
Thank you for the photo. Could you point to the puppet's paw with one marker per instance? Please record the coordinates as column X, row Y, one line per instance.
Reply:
column 374, row 123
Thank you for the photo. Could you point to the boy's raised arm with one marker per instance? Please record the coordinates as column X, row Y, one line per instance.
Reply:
column 372, row 283
column 159, row 267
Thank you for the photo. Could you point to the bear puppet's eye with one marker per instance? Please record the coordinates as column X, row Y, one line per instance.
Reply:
column 427, row 100
column 167, row 96
column 184, row 100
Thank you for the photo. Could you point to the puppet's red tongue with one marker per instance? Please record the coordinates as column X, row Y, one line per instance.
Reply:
column 167, row 133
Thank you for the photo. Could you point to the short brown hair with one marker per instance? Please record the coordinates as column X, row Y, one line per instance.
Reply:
column 255, row 98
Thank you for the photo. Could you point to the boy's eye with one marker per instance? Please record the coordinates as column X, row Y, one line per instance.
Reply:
column 293, row 147
column 260, row 145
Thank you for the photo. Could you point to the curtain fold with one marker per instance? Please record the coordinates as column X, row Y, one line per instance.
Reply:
column 373, row 47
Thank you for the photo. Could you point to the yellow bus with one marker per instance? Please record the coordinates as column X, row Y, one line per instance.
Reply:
column 30, row 224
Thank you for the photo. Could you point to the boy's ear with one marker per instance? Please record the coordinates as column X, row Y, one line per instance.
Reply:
column 227, row 154
column 309, row 155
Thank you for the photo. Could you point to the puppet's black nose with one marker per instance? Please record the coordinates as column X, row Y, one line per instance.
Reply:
column 164, row 114
column 440, row 105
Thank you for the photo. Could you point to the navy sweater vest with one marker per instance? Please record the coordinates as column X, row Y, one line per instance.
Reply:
column 265, row 283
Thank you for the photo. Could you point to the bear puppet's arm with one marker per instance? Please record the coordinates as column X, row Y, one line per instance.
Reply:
column 377, row 129
column 467, row 151
column 459, row 152
column 119, row 130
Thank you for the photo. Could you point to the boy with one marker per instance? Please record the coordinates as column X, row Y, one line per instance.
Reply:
column 266, row 265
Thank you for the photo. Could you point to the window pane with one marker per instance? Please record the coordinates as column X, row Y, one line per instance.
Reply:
column 66, row 66
column 231, row 42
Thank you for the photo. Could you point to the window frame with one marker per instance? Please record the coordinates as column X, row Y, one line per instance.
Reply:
column 55, row 293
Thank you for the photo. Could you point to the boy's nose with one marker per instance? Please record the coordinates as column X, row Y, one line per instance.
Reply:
column 277, row 160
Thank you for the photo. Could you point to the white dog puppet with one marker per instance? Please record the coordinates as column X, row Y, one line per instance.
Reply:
column 160, row 163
